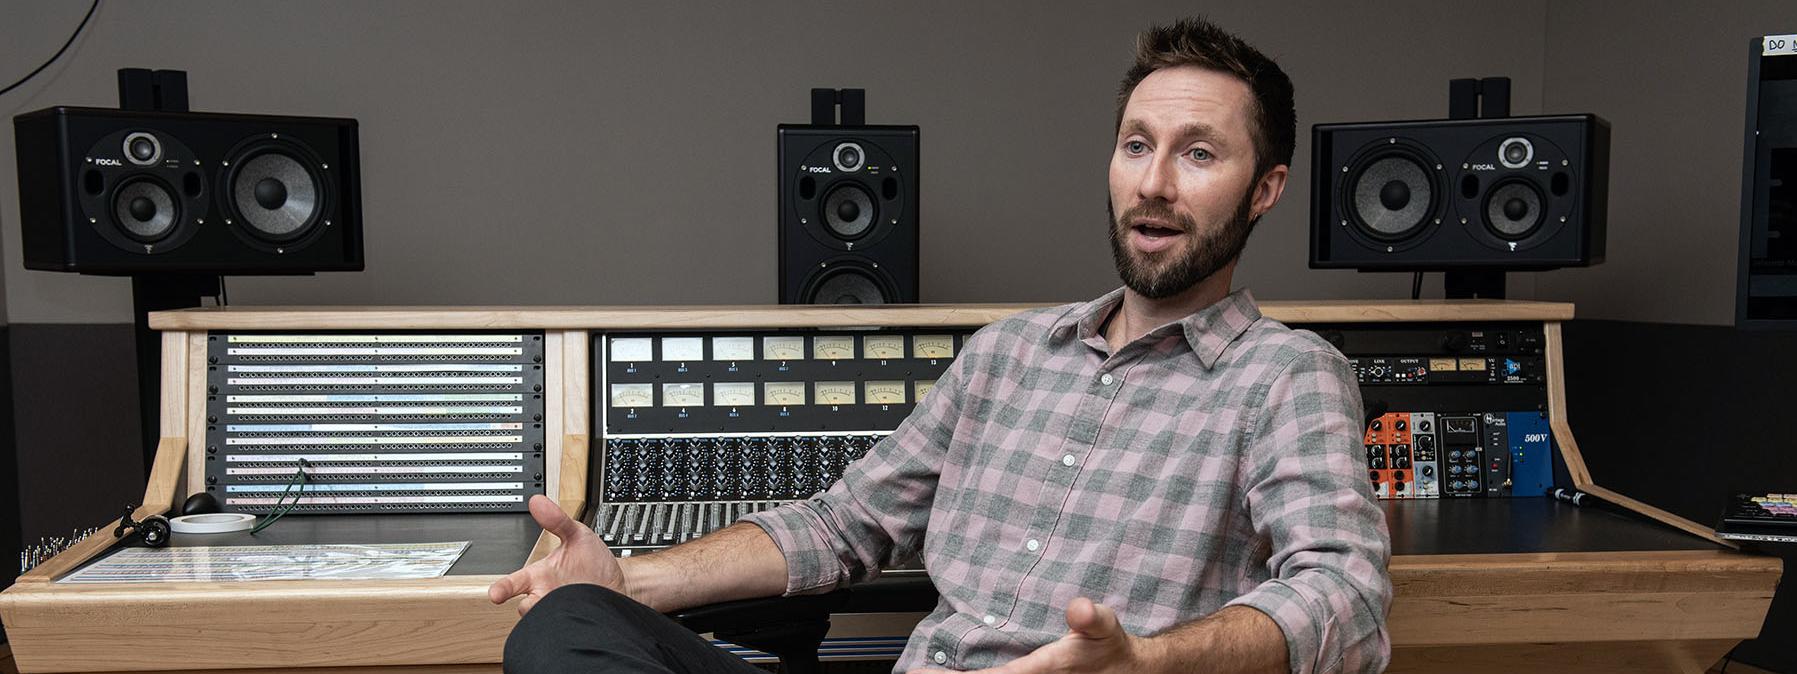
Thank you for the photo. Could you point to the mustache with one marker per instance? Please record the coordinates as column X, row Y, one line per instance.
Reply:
column 1155, row 209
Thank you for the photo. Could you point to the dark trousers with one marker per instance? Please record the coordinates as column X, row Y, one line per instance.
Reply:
column 587, row 628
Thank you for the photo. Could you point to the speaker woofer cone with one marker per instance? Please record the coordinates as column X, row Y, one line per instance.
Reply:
column 1391, row 195
column 1513, row 209
column 145, row 209
column 849, row 211
column 847, row 284
column 275, row 195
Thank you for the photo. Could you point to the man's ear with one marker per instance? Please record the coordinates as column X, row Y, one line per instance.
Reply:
column 1268, row 189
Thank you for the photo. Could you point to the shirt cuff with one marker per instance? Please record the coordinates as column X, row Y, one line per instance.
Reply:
column 811, row 563
column 1297, row 619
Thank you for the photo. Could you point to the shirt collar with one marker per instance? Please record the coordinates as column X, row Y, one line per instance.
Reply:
column 1209, row 331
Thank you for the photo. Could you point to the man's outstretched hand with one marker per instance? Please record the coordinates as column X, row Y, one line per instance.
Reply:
column 582, row 558
column 1095, row 642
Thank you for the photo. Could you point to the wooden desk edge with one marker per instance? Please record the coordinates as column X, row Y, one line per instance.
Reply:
column 784, row 316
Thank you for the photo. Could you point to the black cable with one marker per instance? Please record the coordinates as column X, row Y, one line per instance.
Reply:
column 1416, row 286
column 58, row 54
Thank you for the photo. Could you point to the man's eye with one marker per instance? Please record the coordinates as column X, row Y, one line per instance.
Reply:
column 1200, row 154
column 1135, row 147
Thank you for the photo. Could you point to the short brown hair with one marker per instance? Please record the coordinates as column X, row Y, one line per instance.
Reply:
column 1198, row 42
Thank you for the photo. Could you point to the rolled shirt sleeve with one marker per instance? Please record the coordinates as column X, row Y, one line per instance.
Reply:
column 874, row 517
column 1308, row 496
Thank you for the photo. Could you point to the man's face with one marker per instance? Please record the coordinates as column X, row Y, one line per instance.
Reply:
column 1182, row 174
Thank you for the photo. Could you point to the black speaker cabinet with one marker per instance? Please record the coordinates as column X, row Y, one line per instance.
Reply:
column 107, row 191
column 1506, row 193
column 848, row 214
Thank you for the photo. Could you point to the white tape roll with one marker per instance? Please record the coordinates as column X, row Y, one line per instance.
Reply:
column 213, row 523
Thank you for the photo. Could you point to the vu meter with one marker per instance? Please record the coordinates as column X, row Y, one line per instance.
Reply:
column 884, row 392
column 733, row 394
column 933, row 346
column 736, row 349
column 783, row 393
column 833, row 347
column 682, row 395
column 921, row 388
column 883, row 347
column 835, row 393
column 632, row 395
column 783, row 348
column 682, row 349
column 631, row 350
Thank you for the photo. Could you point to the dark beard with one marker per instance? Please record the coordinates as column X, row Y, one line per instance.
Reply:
column 1218, row 247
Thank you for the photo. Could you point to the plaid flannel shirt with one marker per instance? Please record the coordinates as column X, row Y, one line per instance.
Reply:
column 1215, row 461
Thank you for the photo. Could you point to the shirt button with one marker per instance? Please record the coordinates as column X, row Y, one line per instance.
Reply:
column 990, row 619
column 1033, row 545
column 940, row 657
column 1067, row 460
column 1106, row 379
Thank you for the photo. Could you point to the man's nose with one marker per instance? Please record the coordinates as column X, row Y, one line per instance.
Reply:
column 1158, row 181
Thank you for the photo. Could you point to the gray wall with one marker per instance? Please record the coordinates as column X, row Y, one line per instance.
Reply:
column 1672, row 79
column 543, row 153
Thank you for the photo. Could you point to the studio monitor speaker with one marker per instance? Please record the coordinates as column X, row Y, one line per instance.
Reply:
column 1503, row 193
column 848, row 214
column 107, row 191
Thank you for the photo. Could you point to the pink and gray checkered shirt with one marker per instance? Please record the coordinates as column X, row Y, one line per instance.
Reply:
column 1216, row 461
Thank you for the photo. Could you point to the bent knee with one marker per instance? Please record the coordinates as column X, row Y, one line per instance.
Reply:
column 570, row 618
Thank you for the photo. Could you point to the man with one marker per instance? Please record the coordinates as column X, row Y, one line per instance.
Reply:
column 1159, row 480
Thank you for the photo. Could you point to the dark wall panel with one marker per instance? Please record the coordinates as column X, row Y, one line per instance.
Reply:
column 1682, row 417
column 75, row 413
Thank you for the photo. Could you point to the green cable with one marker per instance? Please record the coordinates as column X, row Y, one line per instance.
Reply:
column 299, row 480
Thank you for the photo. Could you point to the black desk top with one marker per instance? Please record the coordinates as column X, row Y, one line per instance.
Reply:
column 500, row 542
column 1521, row 525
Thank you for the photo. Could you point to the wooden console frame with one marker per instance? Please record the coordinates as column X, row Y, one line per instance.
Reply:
column 1619, row 611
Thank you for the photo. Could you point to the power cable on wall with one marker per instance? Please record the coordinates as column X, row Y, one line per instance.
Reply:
column 58, row 54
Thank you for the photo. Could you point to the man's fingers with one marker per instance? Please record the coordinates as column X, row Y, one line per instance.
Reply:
column 529, row 602
column 505, row 588
column 550, row 516
column 1091, row 619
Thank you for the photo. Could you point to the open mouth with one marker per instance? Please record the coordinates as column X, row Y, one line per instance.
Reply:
column 1154, row 231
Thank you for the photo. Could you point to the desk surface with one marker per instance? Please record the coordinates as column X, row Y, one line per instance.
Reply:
column 499, row 542
column 1523, row 525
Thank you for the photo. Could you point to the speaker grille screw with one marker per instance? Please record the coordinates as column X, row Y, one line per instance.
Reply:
column 1564, row 162
column 199, row 221
column 275, row 136
column 327, row 223
column 280, row 250
column 1344, row 169
column 1463, row 221
column 324, row 166
column 92, row 221
column 1464, row 167
column 90, row 160
column 227, row 221
column 1562, row 218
